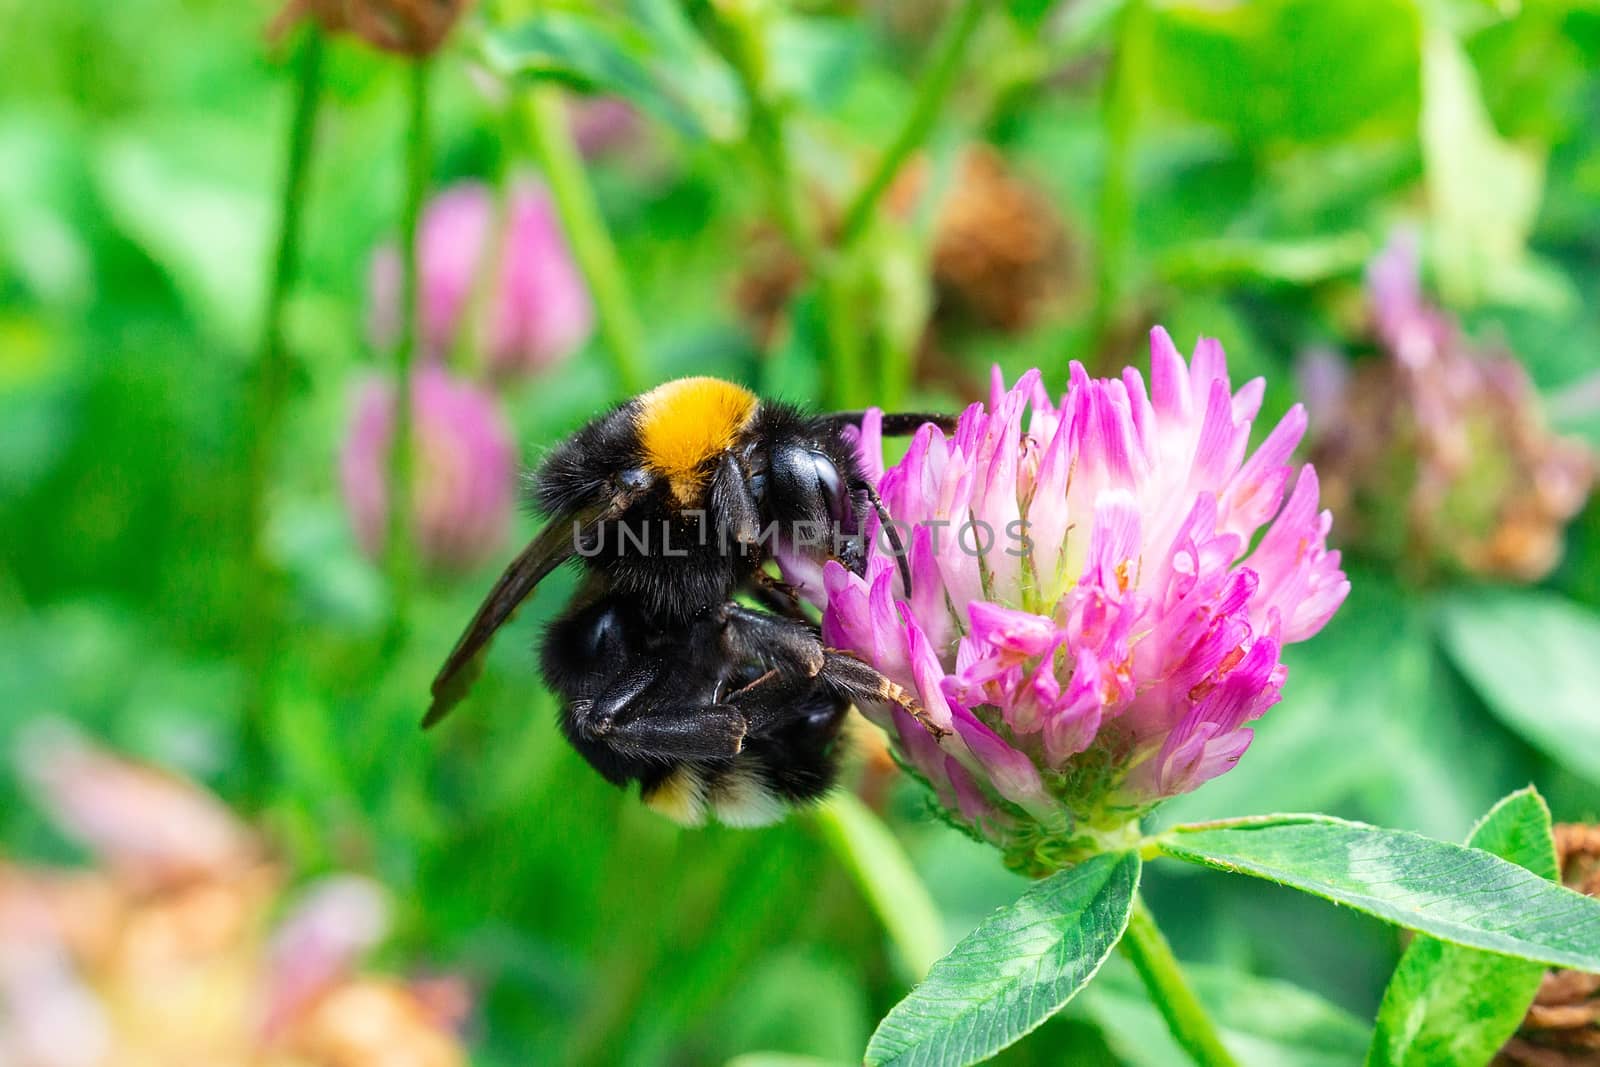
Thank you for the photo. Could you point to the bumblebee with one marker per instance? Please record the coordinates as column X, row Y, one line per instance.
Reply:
column 673, row 502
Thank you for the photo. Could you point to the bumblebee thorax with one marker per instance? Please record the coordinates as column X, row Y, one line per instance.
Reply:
column 683, row 423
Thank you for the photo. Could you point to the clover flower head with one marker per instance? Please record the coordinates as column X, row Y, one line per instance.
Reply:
column 463, row 473
column 536, row 310
column 1438, row 455
column 1101, row 588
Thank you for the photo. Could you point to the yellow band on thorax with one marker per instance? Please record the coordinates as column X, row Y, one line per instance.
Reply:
column 685, row 422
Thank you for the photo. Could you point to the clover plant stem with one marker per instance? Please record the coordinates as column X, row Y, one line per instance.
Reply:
column 741, row 43
column 888, row 378
column 273, row 374
column 1163, row 978
column 274, row 369
column 878, row 863
column 1119, row 118
column 550, row 139
column 847, row 382
column 932, row 91
column 400, row 561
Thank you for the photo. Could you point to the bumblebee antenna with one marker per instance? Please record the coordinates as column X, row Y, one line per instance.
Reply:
column 898, row 423
column 887, row 522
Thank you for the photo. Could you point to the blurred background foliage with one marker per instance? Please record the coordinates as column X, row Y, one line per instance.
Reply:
column 1227, row 169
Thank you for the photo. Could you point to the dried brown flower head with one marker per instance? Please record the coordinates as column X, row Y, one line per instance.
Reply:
column 1562, row 1028
column 1000, row 249
column 1000, row 256
column 406, row 27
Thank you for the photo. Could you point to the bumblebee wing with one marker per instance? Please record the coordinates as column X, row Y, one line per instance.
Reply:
column 554, row 545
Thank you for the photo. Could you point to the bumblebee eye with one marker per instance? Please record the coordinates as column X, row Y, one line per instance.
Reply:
column 830, row 483
column 605, row 636
column 804, row 484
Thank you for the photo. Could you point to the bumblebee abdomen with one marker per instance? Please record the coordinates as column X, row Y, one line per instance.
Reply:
column 794, row 766
column 754, row 789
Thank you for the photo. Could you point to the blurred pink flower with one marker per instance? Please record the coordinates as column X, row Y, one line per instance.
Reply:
column 464, row 472
column 150, row 827
column 1438, row 455
column 535, row 308
column 1089, row 618
column 165, row 951
column 321, row 942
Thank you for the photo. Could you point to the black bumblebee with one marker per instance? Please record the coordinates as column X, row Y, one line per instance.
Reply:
column 673, row 501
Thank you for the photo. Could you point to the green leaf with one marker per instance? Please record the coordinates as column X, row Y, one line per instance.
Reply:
column 1518, row 830
column 1531, row 656
column 594, row 54
column 1261, row 70
column 1231, row 260
column 1461, row 895
column 205, row 229
column 1263, row 1023
column 1448, row 1004
column 1483, row 192
column 649, row 55
column 1015, row 970
column 881, row 868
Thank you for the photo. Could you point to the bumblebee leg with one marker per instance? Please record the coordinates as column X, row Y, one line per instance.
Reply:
column 774, row 702
column 858, row 548
column 858, row 681
column 788, row 645
column 776, row 596
column 635, row 718
column 791, row 648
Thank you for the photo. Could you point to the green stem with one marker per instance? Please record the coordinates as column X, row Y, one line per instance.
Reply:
column 400, row 561
column 848, row 381
column 853, row 382
column 883, row 871
column 1115, row 209
column 271, row 389
column 934, row 87
column 550, row 139
column 740, row 42
column 275, row 369
column 1187, row 1019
